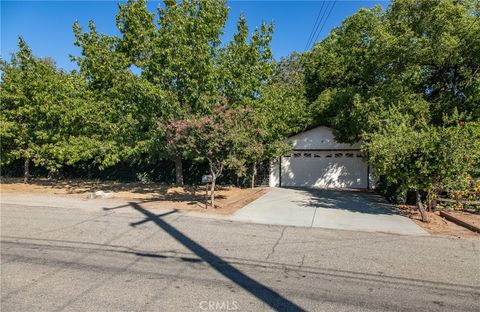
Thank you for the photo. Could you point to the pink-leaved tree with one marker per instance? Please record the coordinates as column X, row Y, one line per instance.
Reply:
column 219, row 139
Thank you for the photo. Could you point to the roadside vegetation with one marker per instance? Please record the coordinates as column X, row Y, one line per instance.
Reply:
column 167, row 92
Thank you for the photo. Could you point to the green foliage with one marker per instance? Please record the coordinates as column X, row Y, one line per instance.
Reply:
column 132, row 104
column 183, row 51
column 428, row 158
column 223, row 139
column 245, row 64
column 100, row 63
column 416, row 49
column 396, row 79
column 282, row 109
column 215, row 138
column 404, row 81
column 136, row 24
column 48, row 116
column 170, row 68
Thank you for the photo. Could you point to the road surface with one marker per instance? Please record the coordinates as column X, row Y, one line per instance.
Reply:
column 132, row 259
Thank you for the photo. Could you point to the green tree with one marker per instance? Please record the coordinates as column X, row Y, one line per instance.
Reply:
column 423, row 52
column 182, row 54
column 414, row 155
column 217, row 138
column 48, row 116
column 392, row 78
column 181, row 71
column 280, row 110
column 176, row 57
column 245, row 64
column 112, row 67
column 249, row 79
column 137, row 26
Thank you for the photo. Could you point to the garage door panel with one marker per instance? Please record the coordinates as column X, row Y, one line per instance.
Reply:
column 326, row 170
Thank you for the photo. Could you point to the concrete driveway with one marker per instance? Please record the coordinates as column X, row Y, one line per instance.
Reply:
column 345, row 210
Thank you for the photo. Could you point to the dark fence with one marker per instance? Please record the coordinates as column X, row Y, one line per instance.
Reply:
column 161, row 171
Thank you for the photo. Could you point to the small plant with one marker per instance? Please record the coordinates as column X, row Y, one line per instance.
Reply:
column 144, row 177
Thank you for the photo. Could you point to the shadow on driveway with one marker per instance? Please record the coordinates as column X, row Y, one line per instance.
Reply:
column 327, row 208
column 353, row 201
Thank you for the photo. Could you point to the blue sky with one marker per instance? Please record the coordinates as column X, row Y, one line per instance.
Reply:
column 47, row 25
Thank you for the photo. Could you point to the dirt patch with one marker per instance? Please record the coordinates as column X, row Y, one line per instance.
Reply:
column 470, row 220
column 227, row 199
column 439, row 225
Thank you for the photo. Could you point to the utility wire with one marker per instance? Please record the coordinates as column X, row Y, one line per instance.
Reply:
column 320, row 31
column 310, row 44
column 312, row 33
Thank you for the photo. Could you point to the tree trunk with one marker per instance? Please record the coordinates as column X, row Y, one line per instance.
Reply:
column 206, row 195
column 212, row 191
column 26, row 170
column 215, row 171
column 178, row 171
column 53, row 175
column 420, row 207
column 430, row 202
column 254, row 173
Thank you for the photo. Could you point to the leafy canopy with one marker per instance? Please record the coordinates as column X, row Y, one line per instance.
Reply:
column 405, row 81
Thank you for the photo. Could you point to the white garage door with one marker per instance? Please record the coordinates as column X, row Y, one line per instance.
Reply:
column 336, row 169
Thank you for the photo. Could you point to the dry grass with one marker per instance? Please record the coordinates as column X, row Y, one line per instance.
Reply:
column 439, row 225
column 227, row 199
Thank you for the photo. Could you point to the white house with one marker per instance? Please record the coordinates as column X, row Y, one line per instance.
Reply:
column 317, row 160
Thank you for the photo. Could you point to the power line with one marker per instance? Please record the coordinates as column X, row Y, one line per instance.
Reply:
column 310, row 44
column 310, row 37
column 312, row 33
column 330, row 12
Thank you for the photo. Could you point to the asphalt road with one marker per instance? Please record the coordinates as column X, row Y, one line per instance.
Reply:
column 131, row 259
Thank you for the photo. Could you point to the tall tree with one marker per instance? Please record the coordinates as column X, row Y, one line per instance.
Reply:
column 419, row 55
column 182, row 57
column 403, row 70
column 48, row 116
column 245, row 64
column 137, row 26
column 112, row 67
column 174, row 71
column 280, row 110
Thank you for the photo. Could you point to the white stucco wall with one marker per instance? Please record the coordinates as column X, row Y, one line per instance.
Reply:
column 319, row 138
column 274, row 179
